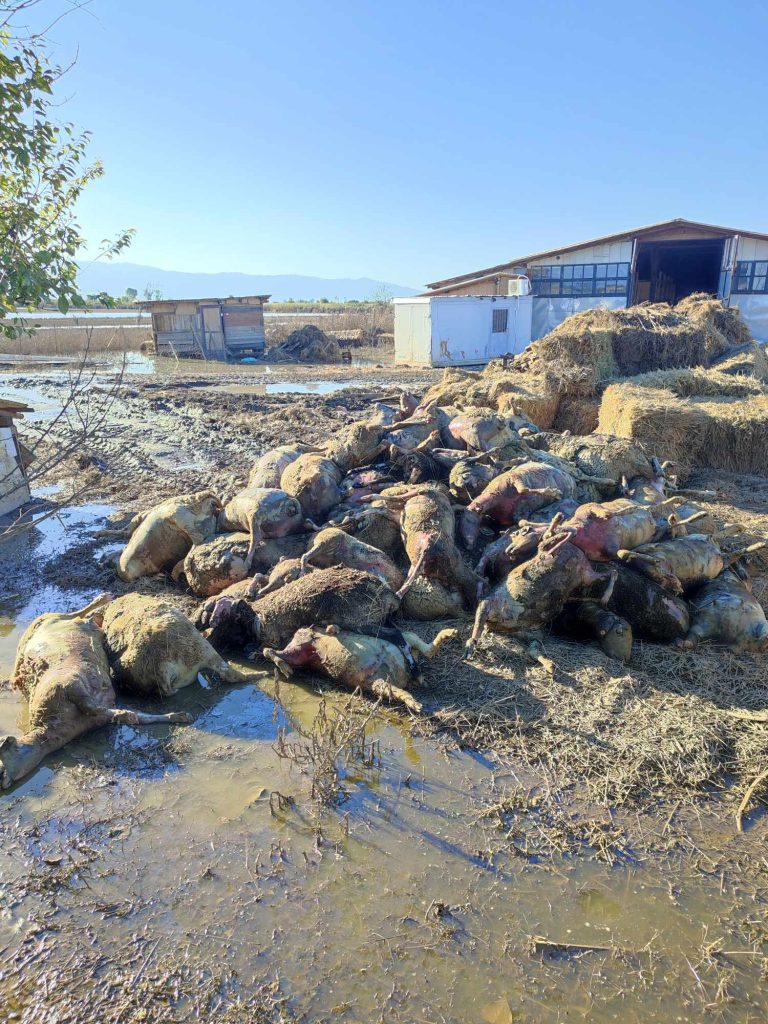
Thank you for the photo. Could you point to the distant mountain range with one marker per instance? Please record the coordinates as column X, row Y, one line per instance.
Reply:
column 114, row 278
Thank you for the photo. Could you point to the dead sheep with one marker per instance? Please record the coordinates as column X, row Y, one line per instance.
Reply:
column 62, row 670
column 161, row 537
column 154, row 650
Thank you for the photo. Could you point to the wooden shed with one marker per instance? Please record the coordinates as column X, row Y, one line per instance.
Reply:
column 14, row 458
column 208, row 328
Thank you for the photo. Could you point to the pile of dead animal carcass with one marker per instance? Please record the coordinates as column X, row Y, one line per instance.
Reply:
column 421, row 512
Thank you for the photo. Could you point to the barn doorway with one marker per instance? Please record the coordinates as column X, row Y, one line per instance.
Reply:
column 668, row 271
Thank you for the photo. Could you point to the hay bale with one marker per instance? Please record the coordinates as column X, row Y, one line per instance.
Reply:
column 576, row 356
column 461, row 388
column 579, row 415
column 700, row 381
column 747, row 360
column 591, row 347
column 667, row 426
column 722, row 324
column 519, row 394
column 729, row 432
column 735, row 435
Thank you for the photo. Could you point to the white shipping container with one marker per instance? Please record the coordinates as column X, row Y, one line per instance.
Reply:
column 461, row 330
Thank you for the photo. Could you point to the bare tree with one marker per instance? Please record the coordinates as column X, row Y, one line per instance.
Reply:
column 76, row 429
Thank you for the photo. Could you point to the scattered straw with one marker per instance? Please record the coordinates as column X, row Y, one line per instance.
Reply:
column 669, row 427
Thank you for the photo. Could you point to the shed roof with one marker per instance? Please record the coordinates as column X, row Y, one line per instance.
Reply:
column 620, row 236
column 11, row 408
column 149, row 303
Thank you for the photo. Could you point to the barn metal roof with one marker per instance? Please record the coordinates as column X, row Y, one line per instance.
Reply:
column 619, row 236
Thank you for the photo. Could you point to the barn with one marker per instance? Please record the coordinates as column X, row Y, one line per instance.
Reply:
column 659, row 263
column 208, row 328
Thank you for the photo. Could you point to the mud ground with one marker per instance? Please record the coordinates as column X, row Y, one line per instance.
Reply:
column 189, row 874
column 190, row 427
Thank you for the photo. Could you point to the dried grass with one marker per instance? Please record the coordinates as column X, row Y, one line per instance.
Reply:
column 696, row 381
column 667, row 426
column 727, row 433
column 514, row 393
column 721, row 323
column 735, row 434
column 579, row 415
column 462, row 388
column 591, row 347
column 60, row 341
column 661, row 723
column 748, row 360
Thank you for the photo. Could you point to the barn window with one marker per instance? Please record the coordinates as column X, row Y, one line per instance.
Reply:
column 751, row 276
column 586, row 280
column 500, row 321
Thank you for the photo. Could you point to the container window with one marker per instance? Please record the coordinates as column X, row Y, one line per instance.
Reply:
column 500, row 320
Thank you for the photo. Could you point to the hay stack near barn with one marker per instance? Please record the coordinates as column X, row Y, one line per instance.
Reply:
column 606, row 343
column 748, row 360
column 643, row 373
column 671, row 427
column 695, row 417
column 721, row 324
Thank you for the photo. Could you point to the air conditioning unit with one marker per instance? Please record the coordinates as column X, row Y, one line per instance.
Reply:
column 518, row 286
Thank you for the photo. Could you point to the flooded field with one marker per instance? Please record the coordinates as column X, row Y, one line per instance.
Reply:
column 191, row 872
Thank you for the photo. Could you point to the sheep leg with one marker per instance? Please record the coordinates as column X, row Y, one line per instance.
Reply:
column 282, row 667
column 257, row 538
column 608, row 592
column 599, row 481
column 429, row 650
column 727, row 531
column 557, row 519
column 734, row 556
column 381, row 688
column 306, row 558
column 413, row 572
column 95, row 605
column 125, row 532
column 124, row 716
column 481, row 617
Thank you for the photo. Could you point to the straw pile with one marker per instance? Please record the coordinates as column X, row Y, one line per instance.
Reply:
column 605, row 343
column 577, row 355
column 460, row 388
column 722, row 324
column 699, row 419
column 666, row 351
column 735, row 435
column 670, row 427
column 524, row 395
column 748, row 360
column 700, row 381
column 577, row 414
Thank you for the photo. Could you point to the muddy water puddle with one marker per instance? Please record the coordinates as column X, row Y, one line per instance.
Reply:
column 411, row 901
column 287, row 387
column 404, row 903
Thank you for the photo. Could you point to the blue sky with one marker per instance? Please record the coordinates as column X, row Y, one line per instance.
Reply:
column 411, row 141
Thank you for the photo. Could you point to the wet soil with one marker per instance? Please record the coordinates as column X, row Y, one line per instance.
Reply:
column 192, row 873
